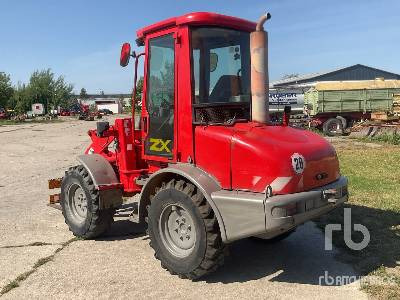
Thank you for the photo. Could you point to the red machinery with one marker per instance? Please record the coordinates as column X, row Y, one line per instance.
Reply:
column 3, row 114
column 208, row 164
column 65, row 113
column 86, row 114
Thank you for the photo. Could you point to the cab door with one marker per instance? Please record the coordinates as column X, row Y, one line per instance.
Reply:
column 159, row 117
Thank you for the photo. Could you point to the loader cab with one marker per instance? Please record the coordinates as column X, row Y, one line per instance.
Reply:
column 196, row 72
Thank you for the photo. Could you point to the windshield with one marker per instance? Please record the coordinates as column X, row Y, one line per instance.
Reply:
column 221, row 65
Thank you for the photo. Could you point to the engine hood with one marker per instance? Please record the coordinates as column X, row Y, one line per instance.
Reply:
column 286, row 159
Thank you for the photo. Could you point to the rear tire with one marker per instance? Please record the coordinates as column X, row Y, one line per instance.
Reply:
column 80, row 205
column 183, row 230
column 333, row 127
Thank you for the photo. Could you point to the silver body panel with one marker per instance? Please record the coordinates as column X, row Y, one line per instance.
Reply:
column 241, row 214
column 247, row 214
column 99, row 169
column 103, row 176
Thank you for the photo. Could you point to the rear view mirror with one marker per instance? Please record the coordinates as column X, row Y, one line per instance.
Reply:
column 125, row 54
column 213, row 61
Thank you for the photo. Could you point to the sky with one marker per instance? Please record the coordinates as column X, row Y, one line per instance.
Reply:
column 81, row 40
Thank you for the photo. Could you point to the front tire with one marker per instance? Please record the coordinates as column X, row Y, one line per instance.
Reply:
column 80, row 205
column 184, row 231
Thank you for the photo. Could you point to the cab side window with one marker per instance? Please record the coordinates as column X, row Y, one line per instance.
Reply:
column 160, row 96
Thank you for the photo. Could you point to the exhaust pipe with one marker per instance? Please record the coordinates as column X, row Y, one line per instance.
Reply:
column 259, row 72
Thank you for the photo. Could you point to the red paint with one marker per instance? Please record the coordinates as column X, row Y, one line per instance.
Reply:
column 196, row 19
column 286, row 118
column 262, row 153
column 3, row 114
column 245, row 156
column 250, row 156
column 125, row 54
column 213, row 152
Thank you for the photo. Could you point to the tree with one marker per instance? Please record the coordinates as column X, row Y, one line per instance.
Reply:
column 139, row 92
column 20, row 102
column 51, row 92
column 62, row 93
column 137, row 98
column 6, row 89
column 161, row 87
column 139, row 88
column 41, row 87
column 167, row 77
column 83, row 94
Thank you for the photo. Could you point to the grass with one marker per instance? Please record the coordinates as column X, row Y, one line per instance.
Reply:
column 392, row 138
column 374, row 186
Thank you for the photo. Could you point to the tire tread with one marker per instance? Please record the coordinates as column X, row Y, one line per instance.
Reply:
column 215, row 249
column 101, row 219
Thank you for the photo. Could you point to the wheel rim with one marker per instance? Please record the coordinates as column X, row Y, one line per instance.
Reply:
column 77, row 202
column 177, row 230
column 334, row 128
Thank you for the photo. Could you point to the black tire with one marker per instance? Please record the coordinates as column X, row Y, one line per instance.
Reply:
column 275, row 239
column 94, row 222
column 207, row 252
column 333, row 127
column 343, row 120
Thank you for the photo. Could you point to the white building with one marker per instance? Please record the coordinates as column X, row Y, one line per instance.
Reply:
column 113, row 104
column 38, row 109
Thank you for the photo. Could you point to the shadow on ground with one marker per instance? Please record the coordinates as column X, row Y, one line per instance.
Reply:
column 301, row 258
column 122, row 228
column 384, row 246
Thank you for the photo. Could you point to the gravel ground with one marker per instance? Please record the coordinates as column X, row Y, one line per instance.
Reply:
column 33, row 239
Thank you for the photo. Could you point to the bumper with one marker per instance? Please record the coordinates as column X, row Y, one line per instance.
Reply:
column 247, row 214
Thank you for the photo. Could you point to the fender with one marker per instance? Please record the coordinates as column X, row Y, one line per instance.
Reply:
column 203, row 181
column 104, row 179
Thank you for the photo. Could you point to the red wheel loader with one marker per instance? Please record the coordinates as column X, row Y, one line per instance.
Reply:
column 208, row 165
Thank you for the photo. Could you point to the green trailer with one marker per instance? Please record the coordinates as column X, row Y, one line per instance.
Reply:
column 334, row 105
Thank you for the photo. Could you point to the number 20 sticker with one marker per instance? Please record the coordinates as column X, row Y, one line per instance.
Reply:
column 298, row 163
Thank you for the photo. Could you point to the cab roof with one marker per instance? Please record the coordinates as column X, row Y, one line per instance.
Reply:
column 198, row 19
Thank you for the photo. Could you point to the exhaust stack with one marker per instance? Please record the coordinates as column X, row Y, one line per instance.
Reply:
column 259, row 72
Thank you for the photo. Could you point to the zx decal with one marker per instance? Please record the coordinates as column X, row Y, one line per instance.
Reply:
column 159, row 145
